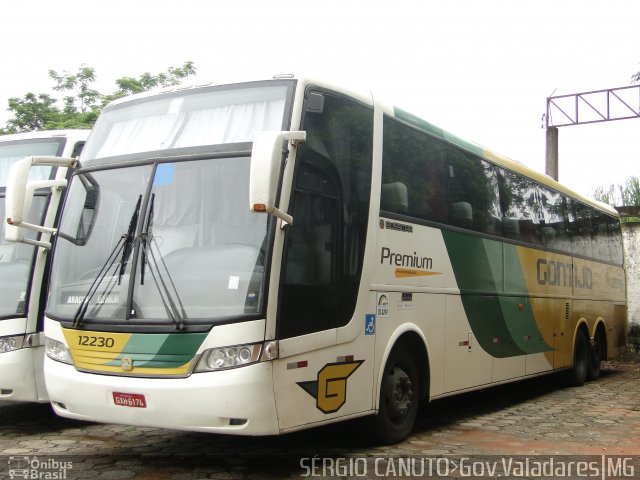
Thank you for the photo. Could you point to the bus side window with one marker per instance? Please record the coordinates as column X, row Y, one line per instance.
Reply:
column 520, row 204
column 413, row 180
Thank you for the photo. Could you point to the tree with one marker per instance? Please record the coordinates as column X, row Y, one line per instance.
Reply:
column 33, row 112
column 82, row 103
column 148, row 81
column 85, row 98
column 627, row 195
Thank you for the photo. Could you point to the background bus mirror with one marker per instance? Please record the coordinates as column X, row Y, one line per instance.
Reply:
column 19, row 194
column 266, row 160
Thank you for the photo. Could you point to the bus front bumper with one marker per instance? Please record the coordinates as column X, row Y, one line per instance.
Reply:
column 18, row 370
column 238, row 401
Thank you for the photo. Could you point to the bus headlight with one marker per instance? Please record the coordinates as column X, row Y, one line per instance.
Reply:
column 57, row 351
column 9, row 344
column 229, row 357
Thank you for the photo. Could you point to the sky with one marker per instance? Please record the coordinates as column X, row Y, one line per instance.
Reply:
column 481, row 69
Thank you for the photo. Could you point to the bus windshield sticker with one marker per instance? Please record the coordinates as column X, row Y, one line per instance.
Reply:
column 234, row 282
column 164, row 174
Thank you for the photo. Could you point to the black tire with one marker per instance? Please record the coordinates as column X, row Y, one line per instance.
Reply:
column 581, row 360
column 399, row 397
column 595, row 357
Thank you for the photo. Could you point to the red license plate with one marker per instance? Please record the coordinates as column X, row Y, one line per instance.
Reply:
column 135, row 400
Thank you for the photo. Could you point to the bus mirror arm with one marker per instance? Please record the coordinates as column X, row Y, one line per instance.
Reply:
column 266, row 163
column 19, row 195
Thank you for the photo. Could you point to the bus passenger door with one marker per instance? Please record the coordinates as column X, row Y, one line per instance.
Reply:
column 324, row 369
column 315, row 380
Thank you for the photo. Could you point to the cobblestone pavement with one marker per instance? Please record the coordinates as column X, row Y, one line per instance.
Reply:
column 533, row 417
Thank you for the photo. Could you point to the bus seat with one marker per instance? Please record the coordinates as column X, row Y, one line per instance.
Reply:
column 528, row 231
column 168, row 239
column 462, row 214
column 548, row 236
column 511, row 227
column 394, row 197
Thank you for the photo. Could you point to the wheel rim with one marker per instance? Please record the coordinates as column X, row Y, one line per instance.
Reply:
column 399, row 394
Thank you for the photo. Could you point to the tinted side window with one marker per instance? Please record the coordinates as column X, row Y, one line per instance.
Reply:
column 554, row 231
column 581, row 230
column 519, row 200
column 473, row 193
column 413, row 173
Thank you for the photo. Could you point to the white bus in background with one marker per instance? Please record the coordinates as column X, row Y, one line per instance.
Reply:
column 263, row 257
column 24, row 267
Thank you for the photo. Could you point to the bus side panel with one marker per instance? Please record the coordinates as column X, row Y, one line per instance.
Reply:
column 466, row 363
column 317, row 381
column 420, row 312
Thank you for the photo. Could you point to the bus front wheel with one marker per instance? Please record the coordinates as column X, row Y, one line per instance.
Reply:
column 399, row 395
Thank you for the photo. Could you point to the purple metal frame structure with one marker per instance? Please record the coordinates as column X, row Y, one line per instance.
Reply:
column 594, row 107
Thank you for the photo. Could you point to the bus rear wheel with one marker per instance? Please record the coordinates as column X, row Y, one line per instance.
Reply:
column 399, row 395
column 581, row 360
column 595, row 356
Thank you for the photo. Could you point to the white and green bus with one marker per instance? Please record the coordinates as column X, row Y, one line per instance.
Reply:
column 264, row 257
column 23, row 267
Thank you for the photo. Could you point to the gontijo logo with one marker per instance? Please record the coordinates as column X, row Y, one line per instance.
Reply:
column 330, row 387
column 408, row 265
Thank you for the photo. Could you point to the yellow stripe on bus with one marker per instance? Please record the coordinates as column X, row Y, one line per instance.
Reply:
column 406, row 272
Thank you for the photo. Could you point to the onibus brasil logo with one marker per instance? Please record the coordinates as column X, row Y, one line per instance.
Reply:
column 34, row 467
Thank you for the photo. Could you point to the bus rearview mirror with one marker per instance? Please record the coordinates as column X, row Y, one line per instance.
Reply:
column 266, row 162
column 20, row 192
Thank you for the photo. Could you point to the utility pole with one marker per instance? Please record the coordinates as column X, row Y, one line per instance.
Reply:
column 586, row 107
column 552, row 152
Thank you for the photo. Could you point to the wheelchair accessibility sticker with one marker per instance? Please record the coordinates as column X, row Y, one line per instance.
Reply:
column 370, row 324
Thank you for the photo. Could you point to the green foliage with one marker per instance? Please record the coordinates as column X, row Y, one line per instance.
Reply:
column 82, row 103
column 148, row 81
column 33, row 112
column 626, row 195
column 620, row 195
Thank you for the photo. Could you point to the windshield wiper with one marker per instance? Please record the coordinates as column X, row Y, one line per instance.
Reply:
column 128, row 242
column 167, row 291
column 124, row 245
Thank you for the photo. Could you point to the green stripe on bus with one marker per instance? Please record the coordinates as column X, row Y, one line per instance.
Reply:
column 501, row 324
column 161, row 350
column 437, row 131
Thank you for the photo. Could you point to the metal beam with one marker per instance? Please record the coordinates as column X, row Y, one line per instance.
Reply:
column 593, row 107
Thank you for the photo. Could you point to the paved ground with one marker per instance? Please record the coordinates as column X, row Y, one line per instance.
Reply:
column 534, row 417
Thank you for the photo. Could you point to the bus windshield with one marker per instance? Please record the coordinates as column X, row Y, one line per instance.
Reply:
column 11, row 152
column 16, row 258
column 191, row 244
column 212, row 116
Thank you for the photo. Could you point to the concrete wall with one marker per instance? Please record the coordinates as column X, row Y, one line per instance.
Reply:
column 631, row 239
